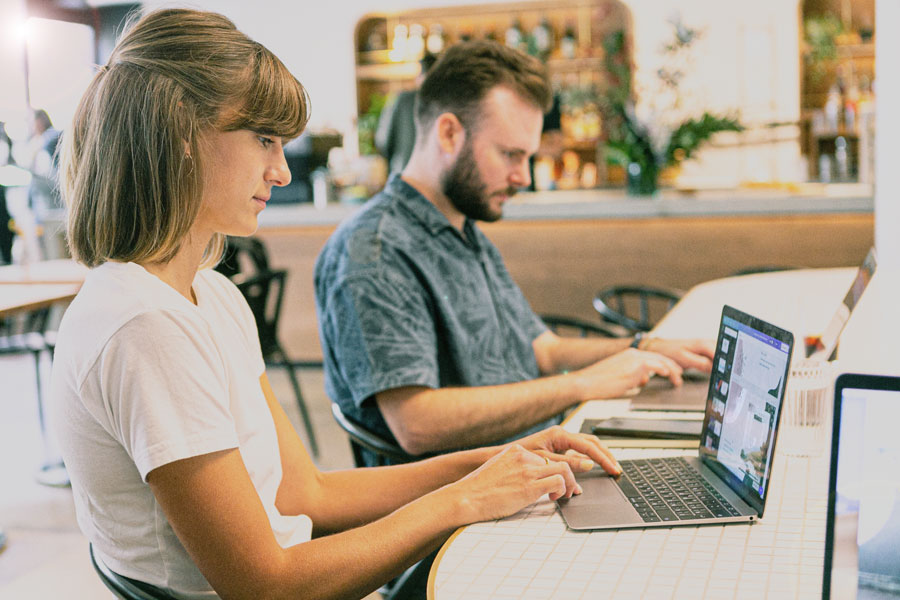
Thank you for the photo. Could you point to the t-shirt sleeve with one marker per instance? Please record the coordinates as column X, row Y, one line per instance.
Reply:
column 382, row 333
column 164, row 386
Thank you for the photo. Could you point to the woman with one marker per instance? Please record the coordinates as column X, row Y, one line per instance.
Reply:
column 186, row 472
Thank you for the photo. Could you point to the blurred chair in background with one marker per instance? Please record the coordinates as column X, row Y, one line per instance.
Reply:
column 635, row 308
column 575, row 327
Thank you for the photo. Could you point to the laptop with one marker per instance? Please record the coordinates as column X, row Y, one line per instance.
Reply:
column 823, row 347
column 660, row 394
column 728, row 480
column 862, row 531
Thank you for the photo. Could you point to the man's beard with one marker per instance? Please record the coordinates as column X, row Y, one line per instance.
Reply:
column 463, row 186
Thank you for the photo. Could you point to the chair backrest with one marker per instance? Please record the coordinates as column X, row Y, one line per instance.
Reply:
column 24, row 332
column 123, row 587
column 635, row 307
column 264, row 292
column 387, row 452
column 573, row 326
column 243, row 255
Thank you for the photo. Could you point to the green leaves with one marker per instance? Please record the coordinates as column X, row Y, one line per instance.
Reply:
column 693, row 132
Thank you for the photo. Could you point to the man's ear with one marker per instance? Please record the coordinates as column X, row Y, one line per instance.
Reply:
column 450, row 132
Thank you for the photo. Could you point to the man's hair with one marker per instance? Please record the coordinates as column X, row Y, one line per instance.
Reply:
column 132, row 169
column 467, row 71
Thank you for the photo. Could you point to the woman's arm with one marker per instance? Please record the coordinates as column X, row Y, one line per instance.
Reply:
column 218, row 516
column 216, row 513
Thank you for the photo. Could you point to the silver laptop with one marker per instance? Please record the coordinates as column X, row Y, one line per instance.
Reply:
column 729, row 479
column 862, row 532
column 823, row 347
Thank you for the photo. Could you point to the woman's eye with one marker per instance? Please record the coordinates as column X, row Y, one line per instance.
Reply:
column 266, row 142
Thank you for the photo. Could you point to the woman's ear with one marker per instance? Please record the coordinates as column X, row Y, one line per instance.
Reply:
column 451, row 134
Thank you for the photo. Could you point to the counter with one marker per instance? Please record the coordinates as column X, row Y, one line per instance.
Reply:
column 614, row 204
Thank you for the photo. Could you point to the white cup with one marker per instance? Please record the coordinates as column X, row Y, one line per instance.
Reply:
column 807, row 408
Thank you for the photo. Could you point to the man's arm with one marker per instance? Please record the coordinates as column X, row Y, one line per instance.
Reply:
column 555, row 354
column 428, row 420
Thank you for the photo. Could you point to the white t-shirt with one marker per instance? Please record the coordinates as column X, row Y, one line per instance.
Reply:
column 141, row 378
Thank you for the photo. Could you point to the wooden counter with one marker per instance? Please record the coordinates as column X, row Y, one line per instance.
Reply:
column 562, row 251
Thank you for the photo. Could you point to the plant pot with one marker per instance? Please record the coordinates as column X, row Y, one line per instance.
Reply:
column 641, row 180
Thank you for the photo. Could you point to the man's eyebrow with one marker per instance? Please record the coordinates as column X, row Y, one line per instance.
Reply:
column 513, row 150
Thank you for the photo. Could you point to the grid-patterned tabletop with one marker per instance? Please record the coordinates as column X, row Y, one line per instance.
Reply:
column 533, row 555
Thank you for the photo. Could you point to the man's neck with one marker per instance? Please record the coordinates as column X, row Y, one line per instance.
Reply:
column 428, row 184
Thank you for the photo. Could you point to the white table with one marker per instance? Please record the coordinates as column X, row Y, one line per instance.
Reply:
column 533, row 555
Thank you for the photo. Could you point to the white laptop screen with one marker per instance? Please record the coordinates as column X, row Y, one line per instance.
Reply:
column 864, row 504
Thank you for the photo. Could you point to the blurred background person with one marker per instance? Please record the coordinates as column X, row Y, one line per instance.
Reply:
column 396, row 132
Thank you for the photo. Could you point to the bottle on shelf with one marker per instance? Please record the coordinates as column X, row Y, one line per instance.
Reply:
column 568, row 45
column 851, row 106
column 833, row 109
column 541, row 39
column 415, row 43
column 515, row 37
column 398, row 43
column 434, row 43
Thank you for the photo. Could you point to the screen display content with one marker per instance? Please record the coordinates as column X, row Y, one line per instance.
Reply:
column 866, row 520
column 748, row 387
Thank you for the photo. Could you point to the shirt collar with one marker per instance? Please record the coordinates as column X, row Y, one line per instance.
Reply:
column 424, row 211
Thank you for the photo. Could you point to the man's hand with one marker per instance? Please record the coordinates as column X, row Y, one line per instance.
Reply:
column 689, row 354
column 623, row 372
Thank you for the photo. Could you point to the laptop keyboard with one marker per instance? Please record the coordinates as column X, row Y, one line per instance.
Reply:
column 668, row 489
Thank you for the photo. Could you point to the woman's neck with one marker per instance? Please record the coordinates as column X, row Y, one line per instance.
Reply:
column 179, row 272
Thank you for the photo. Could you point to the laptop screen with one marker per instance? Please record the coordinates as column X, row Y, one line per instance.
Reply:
column 743, row 407
column 862, row 542
column 823, row 346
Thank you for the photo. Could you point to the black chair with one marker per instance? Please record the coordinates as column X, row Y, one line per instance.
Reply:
column 264, row 292
column 243, row 255
column 635, row 307
column 573, row 326
column 26, row 333
column 387, row 452
column 124, row 587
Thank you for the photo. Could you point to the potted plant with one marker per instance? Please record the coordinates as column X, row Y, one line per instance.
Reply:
column 643, row 138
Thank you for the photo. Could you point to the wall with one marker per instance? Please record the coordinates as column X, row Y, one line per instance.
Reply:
column 747, row 60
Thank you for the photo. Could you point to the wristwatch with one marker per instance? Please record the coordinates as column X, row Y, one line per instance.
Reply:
column 638, row 337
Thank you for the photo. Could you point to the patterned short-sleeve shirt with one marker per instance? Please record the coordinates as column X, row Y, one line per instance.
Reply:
column 404, row 298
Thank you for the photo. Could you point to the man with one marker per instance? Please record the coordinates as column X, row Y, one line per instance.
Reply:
column 426, row 338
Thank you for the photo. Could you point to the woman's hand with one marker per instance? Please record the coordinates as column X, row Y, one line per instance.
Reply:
column 580, row 451
column 520, row 473
column 509, row 481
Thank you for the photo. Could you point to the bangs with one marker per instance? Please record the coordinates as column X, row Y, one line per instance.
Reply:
column 276, row 103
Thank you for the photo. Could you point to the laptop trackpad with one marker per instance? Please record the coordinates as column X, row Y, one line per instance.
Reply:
column 602, row 501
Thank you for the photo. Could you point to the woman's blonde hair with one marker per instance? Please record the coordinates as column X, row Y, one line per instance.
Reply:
column 132, row 162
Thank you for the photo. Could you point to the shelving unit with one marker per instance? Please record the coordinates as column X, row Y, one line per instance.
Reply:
column 850, row 71
column 577, row 65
